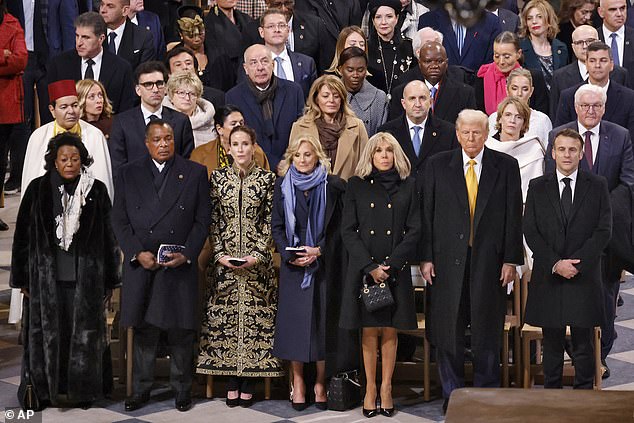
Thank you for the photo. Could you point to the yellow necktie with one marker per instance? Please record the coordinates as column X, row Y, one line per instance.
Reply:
column 472, row 193
column 74, row 130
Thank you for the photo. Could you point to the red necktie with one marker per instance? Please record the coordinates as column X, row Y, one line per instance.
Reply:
column 587, row 149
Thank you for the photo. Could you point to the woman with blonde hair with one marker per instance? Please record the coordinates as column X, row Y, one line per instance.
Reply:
column 94, row 105
column 381, row 227
column 184, row 92
column 306, row 223
column 350, row 36
column 539, row 26
column 328, row 118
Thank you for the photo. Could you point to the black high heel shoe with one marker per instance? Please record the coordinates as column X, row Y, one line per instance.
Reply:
column 299, row 406
column 234, row 402
column 387, row 412
column 371, row 413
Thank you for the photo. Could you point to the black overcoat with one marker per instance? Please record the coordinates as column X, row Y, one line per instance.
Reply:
column 377, row 229
column 295, row 305
column 497, row 240
column 554, row 301
column 98, row 269
column 166, row 298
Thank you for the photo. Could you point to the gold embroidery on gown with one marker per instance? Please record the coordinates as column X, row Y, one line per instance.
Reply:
column 238, row 326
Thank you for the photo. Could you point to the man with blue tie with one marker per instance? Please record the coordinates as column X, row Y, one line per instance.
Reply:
column 616, row 34
column 607, row 152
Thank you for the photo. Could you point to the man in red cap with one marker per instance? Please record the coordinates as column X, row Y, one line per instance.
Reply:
column 64, row 106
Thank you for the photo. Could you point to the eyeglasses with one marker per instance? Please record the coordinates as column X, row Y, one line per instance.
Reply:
column 586, row 107
column 150, row 84
column 185, row 94
column 280, row 26
column 585, row 43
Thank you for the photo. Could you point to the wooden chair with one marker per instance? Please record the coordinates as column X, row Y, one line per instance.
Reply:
column 534, row 334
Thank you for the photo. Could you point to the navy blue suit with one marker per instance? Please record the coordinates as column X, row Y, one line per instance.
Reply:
column 304, row 71
column 478, row 40
column 619, row 108
column 615, row 162
column 127, row 138
column 288, row 105
column 137, row 45
column 61, row 31
column 152, row 23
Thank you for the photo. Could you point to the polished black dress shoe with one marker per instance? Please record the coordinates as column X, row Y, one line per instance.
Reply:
column 234, row 402
column 135, row 402
column 387, row 412
column 183, row 402
column 619, row 301
column 3, row 226
column 370, row 413
column 605, row 370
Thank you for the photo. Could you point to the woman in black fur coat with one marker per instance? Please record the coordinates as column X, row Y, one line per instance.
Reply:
column 66, row 261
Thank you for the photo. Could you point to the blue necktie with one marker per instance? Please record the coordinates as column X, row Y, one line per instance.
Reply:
column 433, row 97
column 615, row 49
column 111, row 46
column 280, row 70
column 416, row 140
column 460, row 37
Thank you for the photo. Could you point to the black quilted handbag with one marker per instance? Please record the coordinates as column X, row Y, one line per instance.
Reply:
column 376, row 295
column 344, row 391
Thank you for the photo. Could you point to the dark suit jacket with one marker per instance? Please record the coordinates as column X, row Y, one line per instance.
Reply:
column 309, row 38
column 559, row 49
column 554, row 301
column 438, row 136
column 115, row 75
column 628, row 51
column 127, row 138
column 614, row 160
column 539, row 99
column 152, row 23
column 452, row 97
column 619, row 108
column 478, row 41
column 215, row 96
column 509, row 21
column 223, row 38
column 60, row 28
column 142, row 221
column 497, row 240
column 304, row 71
column 569, row 76
column 341, row 14
column 288, row 105
column 137, row 45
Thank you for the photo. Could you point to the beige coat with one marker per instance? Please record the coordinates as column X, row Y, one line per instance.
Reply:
column 351, row 143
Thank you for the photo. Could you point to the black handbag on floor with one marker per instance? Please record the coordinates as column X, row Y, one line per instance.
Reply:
column 376, row 295
column 344, row 391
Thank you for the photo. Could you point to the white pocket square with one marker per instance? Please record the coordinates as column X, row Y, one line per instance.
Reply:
column 136, row 51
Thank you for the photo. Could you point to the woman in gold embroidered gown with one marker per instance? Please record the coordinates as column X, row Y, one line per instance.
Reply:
column 238, row 326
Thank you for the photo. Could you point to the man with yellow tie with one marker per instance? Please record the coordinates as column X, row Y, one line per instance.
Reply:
column 472, row 241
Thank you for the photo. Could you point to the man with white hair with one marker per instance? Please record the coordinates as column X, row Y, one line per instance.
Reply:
column 269, row 104
column 619, row 107
column 607, row 152
column 472, row 241
column 576, row 72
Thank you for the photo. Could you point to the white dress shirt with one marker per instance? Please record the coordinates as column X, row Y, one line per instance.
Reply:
column 286, row 65
column 147, row 113
column 28, row 6
column 291, row 36
column 583, row 70
column 159, row 166
column 477, row 167
column 594, row 139
column 96, row 68
column 562, row 185
column 117, row 39
column 620, row 40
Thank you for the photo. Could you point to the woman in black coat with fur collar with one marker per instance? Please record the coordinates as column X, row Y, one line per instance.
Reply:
column 66, row 261
column 381, row 228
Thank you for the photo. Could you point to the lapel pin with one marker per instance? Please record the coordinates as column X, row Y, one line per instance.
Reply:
column 148, row 28
column 301, row 26
column 299, row 64
column 433, row 133
column 558, row 51
column 627, row 42
column 180, row 176
column 301, row 36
